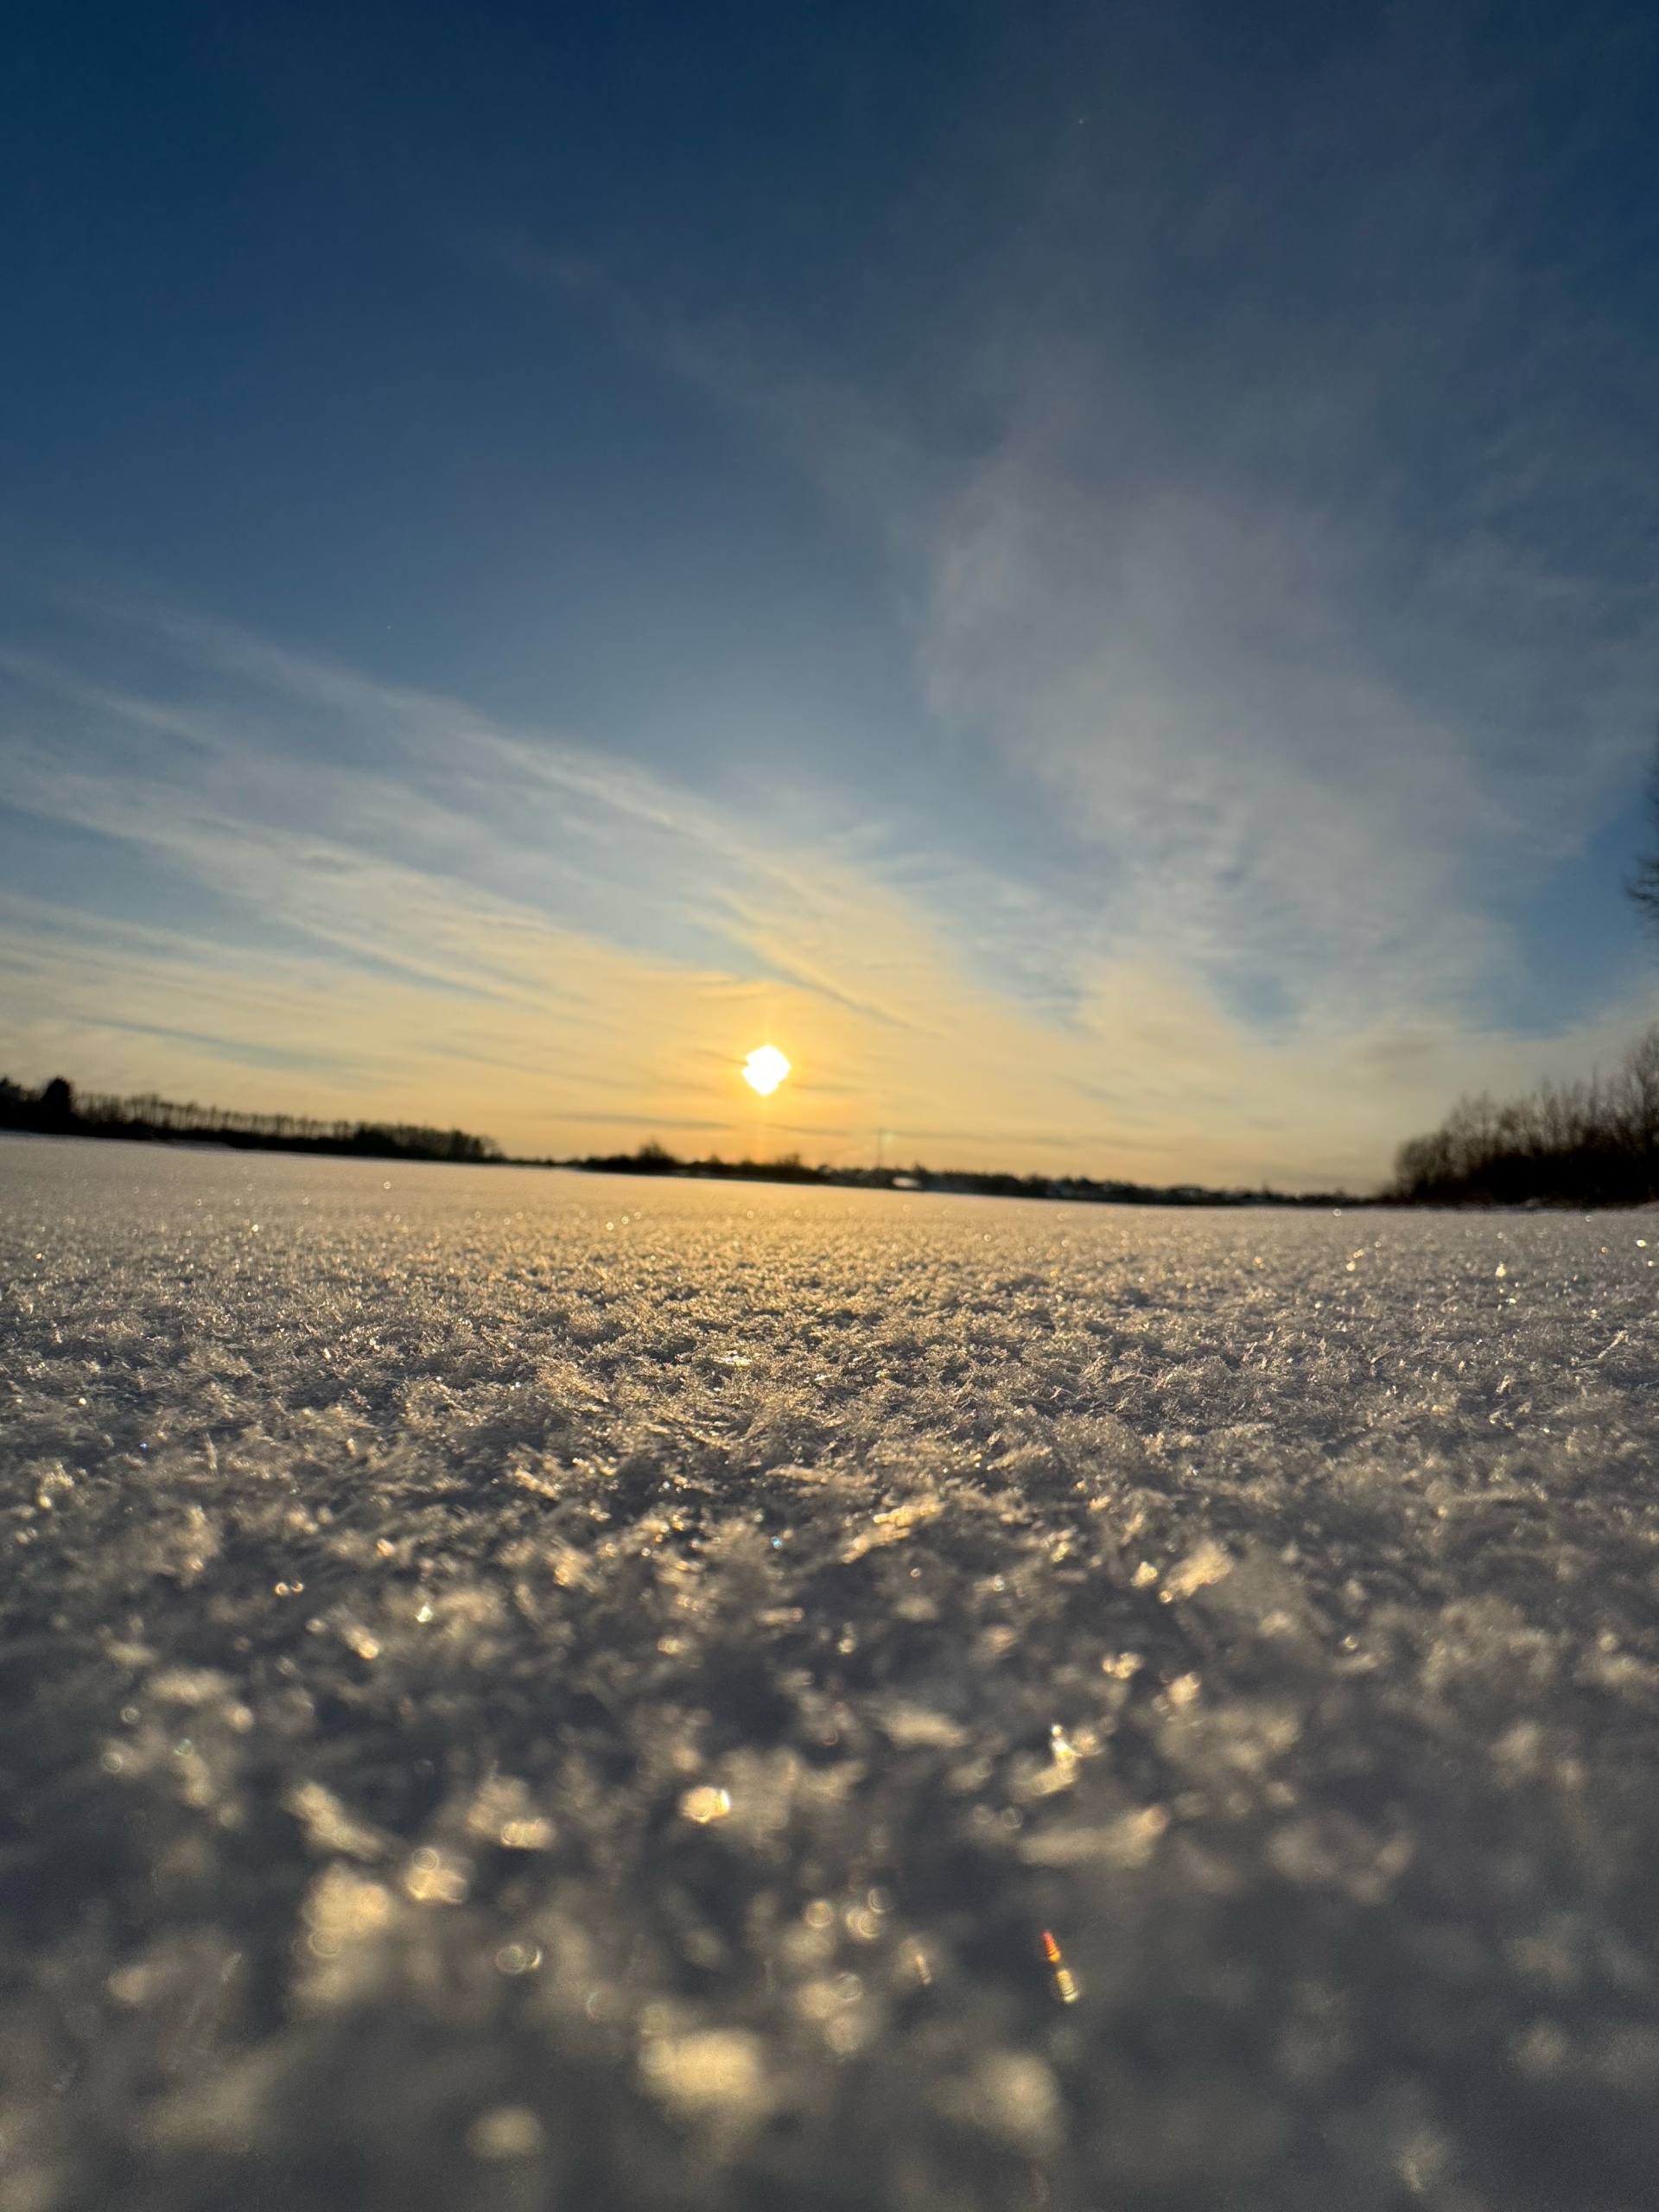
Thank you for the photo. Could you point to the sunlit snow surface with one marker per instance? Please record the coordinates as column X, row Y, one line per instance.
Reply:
column 524, row 1690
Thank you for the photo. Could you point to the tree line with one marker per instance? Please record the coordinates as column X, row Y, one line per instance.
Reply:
column 1574, row 1144
column 56, row 1110
column 654, row 1159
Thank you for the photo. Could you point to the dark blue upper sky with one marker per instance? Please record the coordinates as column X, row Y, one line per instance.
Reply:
column 1168, row 494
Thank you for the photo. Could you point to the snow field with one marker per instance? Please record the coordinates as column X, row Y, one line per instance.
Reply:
column 530, row 1690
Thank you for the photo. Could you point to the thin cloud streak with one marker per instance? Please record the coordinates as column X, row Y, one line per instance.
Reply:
column 1245, row 497
column 417, row 891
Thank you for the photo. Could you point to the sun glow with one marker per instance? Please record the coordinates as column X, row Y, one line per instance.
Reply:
column 765, row 1068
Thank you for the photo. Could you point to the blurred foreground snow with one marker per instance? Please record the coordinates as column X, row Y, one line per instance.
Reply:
column 526, row 1691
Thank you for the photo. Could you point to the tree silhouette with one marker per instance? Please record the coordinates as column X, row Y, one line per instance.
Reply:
column 1594, row 1143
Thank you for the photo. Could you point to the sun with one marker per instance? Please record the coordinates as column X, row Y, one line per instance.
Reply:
column 765, row 1068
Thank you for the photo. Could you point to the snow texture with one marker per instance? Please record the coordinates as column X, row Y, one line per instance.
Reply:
column 525, row 1690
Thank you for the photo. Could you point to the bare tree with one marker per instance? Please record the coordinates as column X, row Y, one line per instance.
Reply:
column 1594, row 1143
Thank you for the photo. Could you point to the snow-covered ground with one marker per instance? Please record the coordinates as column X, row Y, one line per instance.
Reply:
column 525, row 1690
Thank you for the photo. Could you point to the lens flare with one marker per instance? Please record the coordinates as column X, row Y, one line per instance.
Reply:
column 765, row 1068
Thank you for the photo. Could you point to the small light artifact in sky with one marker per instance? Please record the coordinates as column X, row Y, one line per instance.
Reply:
column 765, row 1068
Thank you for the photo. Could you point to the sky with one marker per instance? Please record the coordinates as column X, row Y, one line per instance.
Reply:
column 1086, row 572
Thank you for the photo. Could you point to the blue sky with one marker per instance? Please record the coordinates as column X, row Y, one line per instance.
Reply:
column 1088, row 571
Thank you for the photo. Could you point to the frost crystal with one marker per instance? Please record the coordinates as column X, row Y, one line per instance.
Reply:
column 782, row 1695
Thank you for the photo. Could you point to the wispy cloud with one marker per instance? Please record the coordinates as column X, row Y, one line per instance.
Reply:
column 443, row 918
column 1259, row 483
